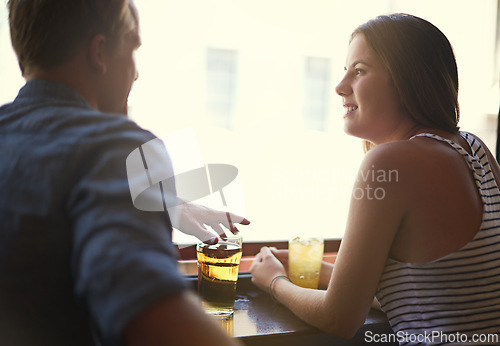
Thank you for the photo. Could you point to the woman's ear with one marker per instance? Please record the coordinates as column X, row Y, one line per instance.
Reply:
column 98, row 53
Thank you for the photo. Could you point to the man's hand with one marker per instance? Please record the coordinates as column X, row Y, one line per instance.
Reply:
column 193, row 218
column 176, row 320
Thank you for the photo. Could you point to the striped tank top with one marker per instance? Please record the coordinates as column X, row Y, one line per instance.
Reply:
column 455, row 298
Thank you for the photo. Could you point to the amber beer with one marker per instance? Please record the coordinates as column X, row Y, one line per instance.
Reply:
column 218, row 274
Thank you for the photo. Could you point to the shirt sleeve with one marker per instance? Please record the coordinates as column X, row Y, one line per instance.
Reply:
column 123, row 259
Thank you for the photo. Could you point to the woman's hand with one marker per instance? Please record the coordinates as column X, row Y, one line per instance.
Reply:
column 266, row 267
column 282, row 256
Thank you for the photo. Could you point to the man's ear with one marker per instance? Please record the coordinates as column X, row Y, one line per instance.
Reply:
column 98, row 53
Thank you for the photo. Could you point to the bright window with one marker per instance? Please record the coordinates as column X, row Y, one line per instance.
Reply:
column 318, row 88
column 251, row 83
column 222, row 76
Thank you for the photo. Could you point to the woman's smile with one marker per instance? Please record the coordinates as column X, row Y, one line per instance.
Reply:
column 349, row 109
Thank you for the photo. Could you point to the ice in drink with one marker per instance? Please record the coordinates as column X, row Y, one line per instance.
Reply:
column 304, row 261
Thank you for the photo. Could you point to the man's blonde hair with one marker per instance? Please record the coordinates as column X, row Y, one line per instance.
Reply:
column 47, row 33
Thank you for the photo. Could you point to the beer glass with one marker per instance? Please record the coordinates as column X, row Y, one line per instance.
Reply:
column 218, row 274
column 304, row 261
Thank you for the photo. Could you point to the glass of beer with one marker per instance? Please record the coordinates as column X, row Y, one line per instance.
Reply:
column 304, row 261
column 218, row 274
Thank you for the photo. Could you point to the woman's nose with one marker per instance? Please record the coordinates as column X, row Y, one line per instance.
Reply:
column 343, row 88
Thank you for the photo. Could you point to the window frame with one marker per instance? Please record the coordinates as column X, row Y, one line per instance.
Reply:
column 188, row 252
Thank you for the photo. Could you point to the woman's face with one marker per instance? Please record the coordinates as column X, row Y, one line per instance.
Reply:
column 373, row 109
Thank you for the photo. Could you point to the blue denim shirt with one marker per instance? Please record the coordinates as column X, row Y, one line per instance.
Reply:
column 75, row 255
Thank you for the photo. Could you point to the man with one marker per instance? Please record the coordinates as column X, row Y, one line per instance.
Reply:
column 79, row 264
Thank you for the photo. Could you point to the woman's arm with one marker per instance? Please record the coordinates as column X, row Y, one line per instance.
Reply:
column 325, row 272
column 376, row 212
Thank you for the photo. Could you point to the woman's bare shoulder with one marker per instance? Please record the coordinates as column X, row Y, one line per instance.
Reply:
column 417, row 163
column 399, row 154
column 413, row 153
column 394, row 170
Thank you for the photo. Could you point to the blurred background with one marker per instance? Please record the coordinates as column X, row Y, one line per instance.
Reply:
column 251, row 83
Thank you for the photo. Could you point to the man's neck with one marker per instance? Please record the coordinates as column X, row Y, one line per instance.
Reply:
column 72, row 73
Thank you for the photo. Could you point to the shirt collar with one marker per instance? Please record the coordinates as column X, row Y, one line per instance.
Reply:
column 52, row 92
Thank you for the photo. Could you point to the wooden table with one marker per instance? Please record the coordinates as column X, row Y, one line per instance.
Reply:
column 258, row 320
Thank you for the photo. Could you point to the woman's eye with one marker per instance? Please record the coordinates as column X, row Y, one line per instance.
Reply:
column 358, row 71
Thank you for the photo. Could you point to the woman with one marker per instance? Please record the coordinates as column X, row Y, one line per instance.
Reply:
column 427, row 245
